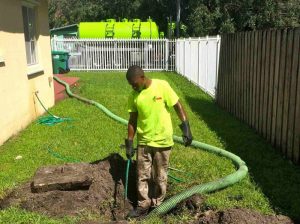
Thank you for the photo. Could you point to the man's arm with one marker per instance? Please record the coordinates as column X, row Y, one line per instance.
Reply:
column 184, row 126
column 132, row 124
column 180, row 111
column 131, row 132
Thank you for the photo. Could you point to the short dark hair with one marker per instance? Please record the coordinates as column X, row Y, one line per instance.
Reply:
column 134, row 71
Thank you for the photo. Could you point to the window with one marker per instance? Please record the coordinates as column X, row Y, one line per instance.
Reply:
column 29, row 22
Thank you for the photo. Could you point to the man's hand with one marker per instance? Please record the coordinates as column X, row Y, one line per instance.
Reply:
column 187, row 134
column 129, row 148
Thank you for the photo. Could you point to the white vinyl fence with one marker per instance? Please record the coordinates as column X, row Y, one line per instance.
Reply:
column 116, row 54
column 195, row 58
column 198, row 59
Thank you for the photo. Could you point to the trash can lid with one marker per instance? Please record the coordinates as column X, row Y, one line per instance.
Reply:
column 59, row 52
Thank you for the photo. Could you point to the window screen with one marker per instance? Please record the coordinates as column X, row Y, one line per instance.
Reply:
column 29, row 23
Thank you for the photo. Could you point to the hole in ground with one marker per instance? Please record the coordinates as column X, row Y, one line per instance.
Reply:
column 104, row 196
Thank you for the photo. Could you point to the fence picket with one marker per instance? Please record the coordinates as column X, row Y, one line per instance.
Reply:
column 258, row 84
column 292, row 94
column 266, row 83
column 281, row 89
column 261, row 83
column 276, row 86
column 296, row 148
column 286, row 94
column 246, row 80
column 255, row 75
column 234, row 102
column 225, row 71
column 271, row 84
column 239, row 74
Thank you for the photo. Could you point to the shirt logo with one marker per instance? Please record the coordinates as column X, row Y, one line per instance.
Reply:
column 155, row 98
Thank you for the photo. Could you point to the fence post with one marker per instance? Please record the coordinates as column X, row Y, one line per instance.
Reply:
column 217, row 62
column 54, row 41
column 206, row 68
column 166, row 54
column 198, row 62
column 184, row 57
column 190, row 57
column 175, row 65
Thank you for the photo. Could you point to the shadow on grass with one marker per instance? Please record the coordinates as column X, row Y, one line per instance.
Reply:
column 277, row 177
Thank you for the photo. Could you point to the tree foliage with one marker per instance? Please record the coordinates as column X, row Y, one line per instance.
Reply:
column 201, row 17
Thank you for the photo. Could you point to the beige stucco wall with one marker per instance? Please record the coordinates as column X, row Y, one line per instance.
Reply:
column 18, row 104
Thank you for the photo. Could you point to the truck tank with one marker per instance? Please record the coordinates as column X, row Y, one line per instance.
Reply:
column 124, row 29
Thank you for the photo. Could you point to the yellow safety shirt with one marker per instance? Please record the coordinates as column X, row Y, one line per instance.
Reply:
column 154, row 125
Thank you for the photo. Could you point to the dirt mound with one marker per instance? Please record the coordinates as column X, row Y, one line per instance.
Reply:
column 104, row 196
column 198, row 210
column 241, row 216
column 98, row 189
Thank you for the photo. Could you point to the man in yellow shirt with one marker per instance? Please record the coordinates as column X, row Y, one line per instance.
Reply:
column 149, row 107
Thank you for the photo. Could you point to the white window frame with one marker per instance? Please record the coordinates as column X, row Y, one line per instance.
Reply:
column 30, row 35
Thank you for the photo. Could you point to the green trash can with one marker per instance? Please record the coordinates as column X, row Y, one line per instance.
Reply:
column 60, row 62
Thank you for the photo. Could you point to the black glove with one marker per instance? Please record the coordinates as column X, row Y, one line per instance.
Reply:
column 187, row 134
column 129, row 148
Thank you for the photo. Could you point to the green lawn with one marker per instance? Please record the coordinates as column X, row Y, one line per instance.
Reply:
column 271, row 187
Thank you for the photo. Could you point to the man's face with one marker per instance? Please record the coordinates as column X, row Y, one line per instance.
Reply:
column 137, row 83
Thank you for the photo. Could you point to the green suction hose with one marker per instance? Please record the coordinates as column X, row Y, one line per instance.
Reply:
column 100, row 106
column 126, row 179
column 167, row 205
column 207, row 187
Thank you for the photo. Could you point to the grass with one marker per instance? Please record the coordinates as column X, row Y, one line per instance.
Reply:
column 271, row 187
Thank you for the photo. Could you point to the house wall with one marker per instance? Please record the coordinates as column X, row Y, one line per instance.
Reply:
column 18, row 104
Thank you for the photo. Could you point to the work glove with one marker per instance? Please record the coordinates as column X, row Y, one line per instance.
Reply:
column 186, row 133
column 129, row 148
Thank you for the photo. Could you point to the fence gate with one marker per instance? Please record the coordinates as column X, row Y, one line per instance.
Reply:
column 112, row 54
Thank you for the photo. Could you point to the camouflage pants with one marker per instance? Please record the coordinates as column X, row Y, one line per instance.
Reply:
column 152, row 168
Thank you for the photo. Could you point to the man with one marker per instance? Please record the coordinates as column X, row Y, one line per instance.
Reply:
column 149, row 108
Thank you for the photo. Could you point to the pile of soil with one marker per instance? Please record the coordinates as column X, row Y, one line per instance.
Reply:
column 198, row 210
column 241, row 216
column 104, row 196
column 98, row 189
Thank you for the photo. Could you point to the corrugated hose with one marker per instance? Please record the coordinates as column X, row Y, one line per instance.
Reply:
column 170, row 203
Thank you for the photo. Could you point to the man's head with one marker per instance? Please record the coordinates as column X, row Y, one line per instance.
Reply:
column 136, row 78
